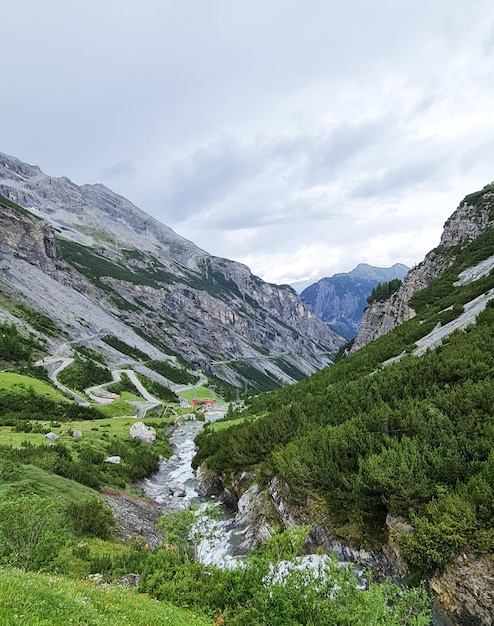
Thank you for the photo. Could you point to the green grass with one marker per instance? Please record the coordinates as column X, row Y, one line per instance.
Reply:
column 200, row 393
column 6, row 202
column 116, row 409
column 28, row 599
column 223, row 425
column 36, row 480
column 18, row 382
column 131, row 397
column 92, row 431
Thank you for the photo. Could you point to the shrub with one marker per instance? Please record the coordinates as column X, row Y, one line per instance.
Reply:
column 91, row 517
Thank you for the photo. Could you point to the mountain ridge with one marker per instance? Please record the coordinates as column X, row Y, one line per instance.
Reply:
column 205, row 308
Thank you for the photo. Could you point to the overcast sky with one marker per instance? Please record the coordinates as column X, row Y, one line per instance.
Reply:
column 300, row 137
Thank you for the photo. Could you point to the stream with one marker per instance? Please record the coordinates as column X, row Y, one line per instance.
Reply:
column 174, row 486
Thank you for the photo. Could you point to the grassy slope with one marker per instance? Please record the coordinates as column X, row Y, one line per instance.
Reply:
column 43, row 483
column 18, row 382
column 28, row 599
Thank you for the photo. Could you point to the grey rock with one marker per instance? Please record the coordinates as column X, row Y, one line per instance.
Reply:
column 130, row 580
column 77, row 434
column 143, row 432
column 177, row 489
column 466, row 224
column 113, row 460
column 52, row 436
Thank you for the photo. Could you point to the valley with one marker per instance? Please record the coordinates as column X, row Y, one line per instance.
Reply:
column 377, row 452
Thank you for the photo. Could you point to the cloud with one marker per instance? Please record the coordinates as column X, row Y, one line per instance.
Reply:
column 301, row 138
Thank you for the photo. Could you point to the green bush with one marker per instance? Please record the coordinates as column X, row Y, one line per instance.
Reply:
column 32, row 531
column 91, row 517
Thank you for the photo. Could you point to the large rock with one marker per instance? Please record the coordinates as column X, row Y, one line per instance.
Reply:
column 143, row 432
column 113, row 460
column 177, row 489
column 465, row 590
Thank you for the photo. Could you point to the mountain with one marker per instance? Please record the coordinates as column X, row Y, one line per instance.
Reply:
column 388, row 454
column 473, row 217
column 340, row 300
column 96, row 265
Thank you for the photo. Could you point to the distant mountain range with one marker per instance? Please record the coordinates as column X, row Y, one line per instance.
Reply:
column 340, row 300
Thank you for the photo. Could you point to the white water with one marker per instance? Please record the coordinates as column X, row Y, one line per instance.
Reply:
column 217, row 531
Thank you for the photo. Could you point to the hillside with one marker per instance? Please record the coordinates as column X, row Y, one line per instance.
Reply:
column 472, row 218
column 396, row 459
column 95, row 265
column 340, row 300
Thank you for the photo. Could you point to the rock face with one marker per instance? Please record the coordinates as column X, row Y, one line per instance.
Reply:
column 143, row 432
column 471, row 218
column 466, row 590
column 340, row 300
column 135, row 518
column 33, row 239
column 211, row 311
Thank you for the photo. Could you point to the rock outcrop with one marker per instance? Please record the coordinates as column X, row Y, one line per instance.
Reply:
column 465, row 590
column 144, row 433
column 473, row 216
column 33, row 239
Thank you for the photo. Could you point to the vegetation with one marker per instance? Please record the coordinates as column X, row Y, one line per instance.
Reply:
column 14, row 347
column 84, row 373
column 34, row 599
column 384, row 290
column 124, row 348
column 254, row 595
column 414, row 438
column 8, row 203
column 179, row 376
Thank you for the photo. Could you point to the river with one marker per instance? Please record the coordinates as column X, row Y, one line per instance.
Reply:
column 175, row 486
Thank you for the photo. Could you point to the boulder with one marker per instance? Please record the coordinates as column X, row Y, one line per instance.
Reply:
column 143, row 432
column 77, row 434
column 130, row 580
column 177, row 489
column 51, row 436
column 114, row 460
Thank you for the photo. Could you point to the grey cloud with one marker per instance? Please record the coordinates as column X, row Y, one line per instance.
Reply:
column 398, row 179
column 123, row 168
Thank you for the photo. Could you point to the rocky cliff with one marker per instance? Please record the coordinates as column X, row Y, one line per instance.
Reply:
column 145, row 278
column 473, row 216
column 340, row 300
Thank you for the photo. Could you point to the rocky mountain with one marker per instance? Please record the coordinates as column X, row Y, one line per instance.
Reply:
column 473, row 217
column 96, row 264
column 340, row 300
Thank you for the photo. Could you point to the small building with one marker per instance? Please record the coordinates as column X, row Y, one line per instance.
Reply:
column 203, row 401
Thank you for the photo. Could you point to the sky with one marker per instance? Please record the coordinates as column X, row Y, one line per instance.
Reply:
column 300, row 137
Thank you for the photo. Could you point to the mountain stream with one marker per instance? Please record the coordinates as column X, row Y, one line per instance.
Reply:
column 175, row 486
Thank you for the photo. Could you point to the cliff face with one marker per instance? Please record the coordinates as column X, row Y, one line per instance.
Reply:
column 210, row 310
column 471, row 218
column 465, row 590
column 32, row 239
